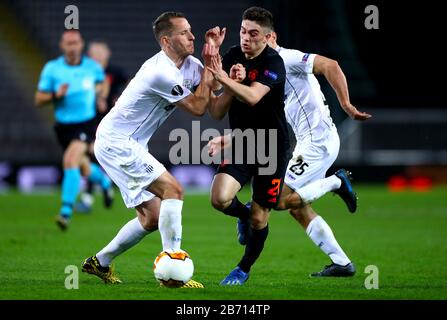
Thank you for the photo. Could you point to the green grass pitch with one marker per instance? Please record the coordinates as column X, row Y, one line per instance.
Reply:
column 403, row 234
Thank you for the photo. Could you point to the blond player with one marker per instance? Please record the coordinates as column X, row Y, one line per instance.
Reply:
column 163, row 83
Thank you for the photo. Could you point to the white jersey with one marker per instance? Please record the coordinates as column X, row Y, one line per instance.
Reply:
column 305, row 106
column 149, row 98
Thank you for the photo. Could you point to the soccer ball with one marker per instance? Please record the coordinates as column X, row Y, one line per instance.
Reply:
column 173, row 268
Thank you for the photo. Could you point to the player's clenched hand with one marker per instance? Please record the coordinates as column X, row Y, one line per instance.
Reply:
column 215, row 36
column 62, row 91
column 218, row 144
column 237, row 72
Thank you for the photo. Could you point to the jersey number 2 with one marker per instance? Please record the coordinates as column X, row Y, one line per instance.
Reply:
column 274, row 192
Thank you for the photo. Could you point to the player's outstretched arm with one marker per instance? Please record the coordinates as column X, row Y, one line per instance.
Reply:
column 335, row 76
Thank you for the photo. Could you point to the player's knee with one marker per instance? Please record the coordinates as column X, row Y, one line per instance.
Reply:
column 259, row 217
column 150, row 224
column 298, row 215
column 218, row 205
column 178, row 190
column 75, row 154
column 292, row 201
column 219, row 202
column 282, row 204
column 70, row 162
column 258, row 222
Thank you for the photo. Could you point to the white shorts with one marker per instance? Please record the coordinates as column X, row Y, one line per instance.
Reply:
column 311, row 160
column 131, row 167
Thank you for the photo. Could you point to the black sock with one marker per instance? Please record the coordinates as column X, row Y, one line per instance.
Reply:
column 89, row 188
column 255, row 244
column 237, row 209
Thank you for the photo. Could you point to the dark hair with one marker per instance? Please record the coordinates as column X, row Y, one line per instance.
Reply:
column 162, row 26
column 259, row 15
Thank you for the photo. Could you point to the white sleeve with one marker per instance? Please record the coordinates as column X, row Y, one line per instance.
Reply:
column 166, row 86
column 299, row 61
column 198, row 74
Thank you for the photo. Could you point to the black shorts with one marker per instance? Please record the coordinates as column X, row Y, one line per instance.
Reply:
column 83, row 131
column 266, row 188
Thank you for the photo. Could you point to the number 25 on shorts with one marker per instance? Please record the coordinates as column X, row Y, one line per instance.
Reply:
column 299, row 167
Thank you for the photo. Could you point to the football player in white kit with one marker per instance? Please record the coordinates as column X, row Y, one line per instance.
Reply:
column 164, row 82
column 316, row 150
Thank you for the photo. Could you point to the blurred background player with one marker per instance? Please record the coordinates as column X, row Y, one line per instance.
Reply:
column 163, row 83
column 114, row 84
column 116, row 79
column 72, row 82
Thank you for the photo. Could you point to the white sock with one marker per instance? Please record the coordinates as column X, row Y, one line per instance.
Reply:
column 321, row 234
column 319, row 188
column 170, row 224
column 129, row 235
